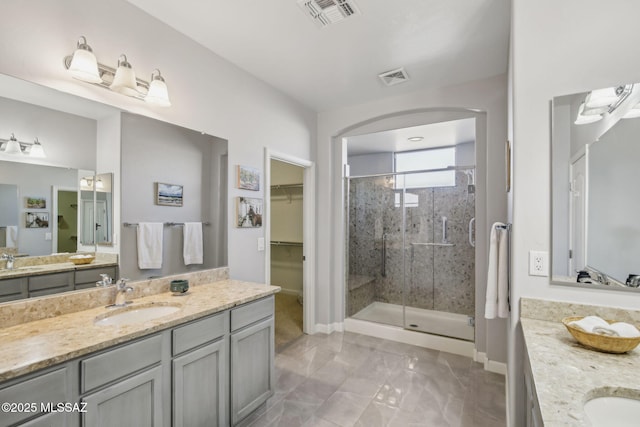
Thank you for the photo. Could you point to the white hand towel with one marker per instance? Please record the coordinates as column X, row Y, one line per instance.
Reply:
column 589, row 323
column 150, row 245
column 618, row 329
column 497, row 296
column 12, row 236
column 192, row 243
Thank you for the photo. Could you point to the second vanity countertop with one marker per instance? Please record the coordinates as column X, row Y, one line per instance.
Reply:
column 566, row 374
column 35, row 345
column 58, row 267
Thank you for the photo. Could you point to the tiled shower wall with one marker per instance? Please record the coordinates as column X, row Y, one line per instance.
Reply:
column 437, row 277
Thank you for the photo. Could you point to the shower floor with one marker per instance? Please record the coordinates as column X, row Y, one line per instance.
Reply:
column 418, row 319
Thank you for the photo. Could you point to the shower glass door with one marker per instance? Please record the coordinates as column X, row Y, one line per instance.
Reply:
column 375, row 250
column 411, row 258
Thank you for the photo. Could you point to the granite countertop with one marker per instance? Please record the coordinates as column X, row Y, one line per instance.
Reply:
column 59, row 267
column 30, row 346
column 566, row 374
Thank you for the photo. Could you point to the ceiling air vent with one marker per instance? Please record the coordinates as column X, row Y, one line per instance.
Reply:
column 326, row 12
column 394, row 77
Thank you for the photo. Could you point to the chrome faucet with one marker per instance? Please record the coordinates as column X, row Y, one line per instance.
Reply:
column 122, row 289
column 105, row 281
column 602, row 278
column 10, row 258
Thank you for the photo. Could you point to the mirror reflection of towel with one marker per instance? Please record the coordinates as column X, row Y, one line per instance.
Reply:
column 12, row 236
column 150, row 245
column 192, row 243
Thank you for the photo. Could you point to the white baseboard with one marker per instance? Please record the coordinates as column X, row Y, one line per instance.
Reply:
column 328, row 328
column 490, row 365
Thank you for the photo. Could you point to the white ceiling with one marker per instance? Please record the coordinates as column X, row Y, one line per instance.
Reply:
column 438, row 42
column 435, row 135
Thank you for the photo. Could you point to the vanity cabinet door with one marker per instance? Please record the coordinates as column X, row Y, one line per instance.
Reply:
column 200, row 386
column 13, row 289
column 47, row 284
column 136, row 401
column 252, row 368
column 86, row 278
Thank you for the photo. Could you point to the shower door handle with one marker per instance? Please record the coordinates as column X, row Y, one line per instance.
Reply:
column 472, row 241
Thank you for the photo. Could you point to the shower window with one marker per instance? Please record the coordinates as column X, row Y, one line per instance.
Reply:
column 435, row 158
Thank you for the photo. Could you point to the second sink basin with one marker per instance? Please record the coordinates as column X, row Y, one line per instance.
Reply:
column 136, row 314
column 609, row 411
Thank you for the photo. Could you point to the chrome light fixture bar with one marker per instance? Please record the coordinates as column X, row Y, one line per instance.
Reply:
column 601, row 101
column 15, row 147
column 83, row 65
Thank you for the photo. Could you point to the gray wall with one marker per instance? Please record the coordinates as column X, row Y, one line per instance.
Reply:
column 154, row 151
column 369, row 164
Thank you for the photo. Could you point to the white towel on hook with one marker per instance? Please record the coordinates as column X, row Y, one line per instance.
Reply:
column 150, row 245
column 497, row 296
column 192, row 243
column 12, row 236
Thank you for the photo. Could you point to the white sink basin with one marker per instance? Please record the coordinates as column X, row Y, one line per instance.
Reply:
column 136, row 314
column 613, row 411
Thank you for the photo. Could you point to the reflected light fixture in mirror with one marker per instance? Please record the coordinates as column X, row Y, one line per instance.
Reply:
column 15, row 147
column 601, row 101
column 586, row 118
column 84, row 66
column 634, row 113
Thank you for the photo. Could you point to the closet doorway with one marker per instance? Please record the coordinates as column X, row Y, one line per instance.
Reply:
column 288, row 232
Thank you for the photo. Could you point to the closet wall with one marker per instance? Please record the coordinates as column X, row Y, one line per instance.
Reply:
column 286, row 226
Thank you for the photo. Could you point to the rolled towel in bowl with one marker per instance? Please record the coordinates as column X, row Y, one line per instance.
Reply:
column 618, row 329
column 588, row 323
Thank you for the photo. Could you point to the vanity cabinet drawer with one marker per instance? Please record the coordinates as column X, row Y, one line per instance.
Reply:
column 12, row 289
column 200, row 332
column 251, row 313
column 50, row 283
column 106, row 367
column 49, row 387
column 87, row 278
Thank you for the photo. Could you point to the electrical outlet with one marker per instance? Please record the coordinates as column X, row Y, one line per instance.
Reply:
column 538, row 263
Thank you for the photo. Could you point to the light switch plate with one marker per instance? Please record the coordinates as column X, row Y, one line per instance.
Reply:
column 47, row 236
column 260, row 244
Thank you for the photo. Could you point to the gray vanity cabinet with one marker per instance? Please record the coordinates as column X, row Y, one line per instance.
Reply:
column 252, row 357
column 47, row 284
column 87, row 278
column 123, row 386
column 533, row 417
column 200, row 373
column 13, row 289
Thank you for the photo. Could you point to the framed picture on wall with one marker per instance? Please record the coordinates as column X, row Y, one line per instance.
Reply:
column 35, row 203
column 168, row 194
column 36, row 220
column 248, row 178
column 248, row 212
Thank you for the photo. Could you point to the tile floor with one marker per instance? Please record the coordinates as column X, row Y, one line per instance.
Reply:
column 347, row 379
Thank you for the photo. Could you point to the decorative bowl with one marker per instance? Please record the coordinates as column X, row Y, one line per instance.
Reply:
column 82, row 259
column 603, row 343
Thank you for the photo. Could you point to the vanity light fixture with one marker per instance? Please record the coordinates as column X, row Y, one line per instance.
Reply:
column 15, row 147
column 584, row 119
column 601, row 97
column 84, row 66
column 416, row 138
column 634, row 113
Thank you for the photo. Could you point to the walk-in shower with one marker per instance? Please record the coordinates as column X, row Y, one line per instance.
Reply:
column 411, row 250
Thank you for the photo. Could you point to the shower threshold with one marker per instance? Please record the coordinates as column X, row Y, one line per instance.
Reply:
column 418, row 319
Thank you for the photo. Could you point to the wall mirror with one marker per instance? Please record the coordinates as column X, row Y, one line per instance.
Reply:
column 594, row 206
column 78, row 196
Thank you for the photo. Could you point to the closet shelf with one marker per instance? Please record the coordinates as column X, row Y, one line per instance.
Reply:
column 281, row 243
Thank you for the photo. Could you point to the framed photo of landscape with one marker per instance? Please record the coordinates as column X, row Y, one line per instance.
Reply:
column 168, row 194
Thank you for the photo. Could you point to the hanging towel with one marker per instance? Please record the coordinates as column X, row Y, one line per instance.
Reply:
column 497, row 296
column 192, row 243
column 12, row 236
column 150, row 245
